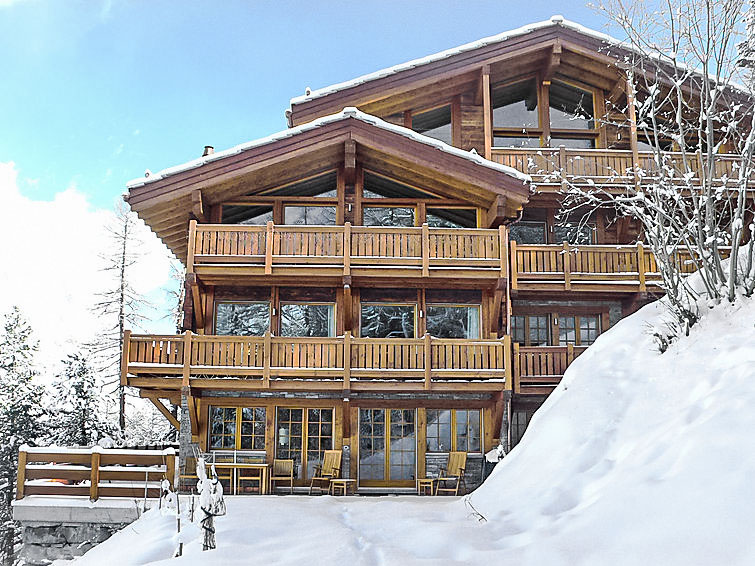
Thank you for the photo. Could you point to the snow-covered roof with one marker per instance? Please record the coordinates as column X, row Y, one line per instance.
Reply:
column 346, row 113
column 553, row 21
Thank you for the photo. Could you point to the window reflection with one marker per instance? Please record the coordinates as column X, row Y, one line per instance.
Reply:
column 515, row 106
column 435, row 123
column 387, row 321
column 306, row 319
column 388, row 216
column 310, row 215
column 450, row 321
column 571, row 107
column 527, row 232
column 242, row 319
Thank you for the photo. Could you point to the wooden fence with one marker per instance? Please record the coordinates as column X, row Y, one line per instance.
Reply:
column 94, row 472
column 538, row 369
column 341, row 358
column 345, row 247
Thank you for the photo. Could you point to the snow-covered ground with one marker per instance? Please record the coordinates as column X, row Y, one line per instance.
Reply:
column 637, row 459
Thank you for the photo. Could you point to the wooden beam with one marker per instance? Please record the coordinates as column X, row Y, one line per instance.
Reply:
column 487, row 112
column 166, row 413
column 554, row 61
column 191, row 283
column 197, row 206
column 349, row 161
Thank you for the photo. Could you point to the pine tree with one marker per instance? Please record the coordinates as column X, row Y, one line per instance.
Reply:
column 21, row 416
column 79, row 419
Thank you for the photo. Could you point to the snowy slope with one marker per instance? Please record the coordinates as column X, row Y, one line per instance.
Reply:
column 637, row 458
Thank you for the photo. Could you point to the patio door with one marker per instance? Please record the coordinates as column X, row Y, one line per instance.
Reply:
column 387, row 447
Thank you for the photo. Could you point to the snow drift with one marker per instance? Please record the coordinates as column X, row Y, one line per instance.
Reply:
column 636, row 458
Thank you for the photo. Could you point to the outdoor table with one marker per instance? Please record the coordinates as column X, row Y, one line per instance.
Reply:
column 341, row 484
column 236, row 466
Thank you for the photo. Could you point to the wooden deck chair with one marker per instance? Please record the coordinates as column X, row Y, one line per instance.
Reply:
column 329, row 469
column 453, row 474
column 283, row 471
column 248, row 481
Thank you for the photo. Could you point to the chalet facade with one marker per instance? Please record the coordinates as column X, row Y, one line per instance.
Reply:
column 389, row 276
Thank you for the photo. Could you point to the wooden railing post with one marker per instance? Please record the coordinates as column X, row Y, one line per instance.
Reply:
column 503, row 250
column 125, row 355
column 514, row 265
column 507, row 361
column 347, row 249
column 562, row 162
column 641, row 266
column 347, row 359
column 170, row 467
column 428, row 358
column 186, row 374
column 94, row 477
column 21, row 474
column 425, row 250
column 266, row 357
column 569, row 354
column 192, row 246
column 567, row 266
column 517, row 369
column 269, row 231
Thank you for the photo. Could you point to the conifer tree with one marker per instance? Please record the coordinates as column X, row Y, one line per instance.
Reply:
column 21, row 416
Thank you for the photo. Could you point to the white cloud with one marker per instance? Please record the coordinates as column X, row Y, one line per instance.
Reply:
column 51, row 265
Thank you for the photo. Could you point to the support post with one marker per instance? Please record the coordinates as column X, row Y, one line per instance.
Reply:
column 487, row 113
column 347, row 249
column 569, row 354
column 269, row 231
column 94, row 475
column 641, row 266
column 428, row 357
column 170, row 467
column 507, row 362
column 21, row 475
column 567, row 266
column 514, row 266
column 347, row 360
column 191, row 245
column 125, row 355
column 425, row 250
column 517, row 369
column 503, row 248
column 266, row 355
column 186, row 374
column 633, row 131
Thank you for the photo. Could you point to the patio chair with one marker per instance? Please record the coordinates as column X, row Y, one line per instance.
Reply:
column 452, row 476
column 283, row 471
column 328, row 470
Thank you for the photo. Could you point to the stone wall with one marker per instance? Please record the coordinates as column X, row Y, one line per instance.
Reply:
column 44, row 543
column 472, row 474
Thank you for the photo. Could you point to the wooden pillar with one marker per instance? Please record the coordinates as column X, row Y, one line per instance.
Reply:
column 186, row 373
column 428, row 357
column 94, row 474
column 21, row 474
column 633, row 130
column 487, row 112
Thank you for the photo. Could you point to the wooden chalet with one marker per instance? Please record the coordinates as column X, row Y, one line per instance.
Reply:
column 387, row 277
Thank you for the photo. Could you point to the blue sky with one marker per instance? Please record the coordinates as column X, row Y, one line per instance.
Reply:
column 94, row 92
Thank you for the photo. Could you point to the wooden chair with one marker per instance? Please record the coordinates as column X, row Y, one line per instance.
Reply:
column 283, row 471
column 452, row 475
column 248, row 481
column 330, row 468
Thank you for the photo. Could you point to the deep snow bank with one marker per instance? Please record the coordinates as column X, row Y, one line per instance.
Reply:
column 638, row 457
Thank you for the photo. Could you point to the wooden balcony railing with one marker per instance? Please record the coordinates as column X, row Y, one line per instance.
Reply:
column 95, row 472
column 342, row 361
column 347, row 248
column 603, row 165
column 538, row 369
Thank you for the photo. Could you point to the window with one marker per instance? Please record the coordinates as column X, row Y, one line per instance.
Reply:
column 378, row 186
column 451, row 217
column 515, row 106
column 303, row 435
column 528, row 232
column 520, row 419
column 237, row 428
column 435, row 123
column 242, row 319
column 578, row 234
column 571, row 108
column 530, row 330
column 249, row 215
column 387, row 321
column 512, row 141
column 310, row 215
column 307, row 319
column 453, row 321
column 388, row 216
column 450, row 430
column 573, row 143
column 579, row 330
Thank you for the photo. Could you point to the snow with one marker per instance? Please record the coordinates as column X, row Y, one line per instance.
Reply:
column 636, row 458
column 345, row 114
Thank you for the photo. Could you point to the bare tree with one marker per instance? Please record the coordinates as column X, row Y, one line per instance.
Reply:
column 683, row 93
column 121, row 303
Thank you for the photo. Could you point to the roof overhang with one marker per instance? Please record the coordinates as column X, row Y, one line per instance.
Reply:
column 164, row 200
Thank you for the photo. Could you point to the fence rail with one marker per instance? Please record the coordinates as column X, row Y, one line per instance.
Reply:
column 538, row 369
column 342, row 358
column 94, row 472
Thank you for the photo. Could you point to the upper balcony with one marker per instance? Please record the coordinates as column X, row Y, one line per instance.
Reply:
column 601, row 166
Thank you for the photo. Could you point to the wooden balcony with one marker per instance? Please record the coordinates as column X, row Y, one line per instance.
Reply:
column 538, row 369
column 223, row 251
column 316, row 364
column 609, row 166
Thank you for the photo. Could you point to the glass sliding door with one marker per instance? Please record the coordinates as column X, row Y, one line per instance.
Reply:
column 387, row 447
column 303, row 435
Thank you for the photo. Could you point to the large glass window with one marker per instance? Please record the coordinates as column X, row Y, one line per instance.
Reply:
column 515, row 106
column 528, row 232
column 435, row 123
column 453, row 321
column 515, row 141
column 319, row 437
column 387, row 321
column 531, row 330
column 289, row 435
column 579, row 330
column 249, row 215
column 307, row 319
column 450, row 430
column 571, row 107
column 242, row 319
column 388, row 216
column 310, row 215
column 451, row 217
column 378, row 186
column 237, row 428
column 578, row 234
